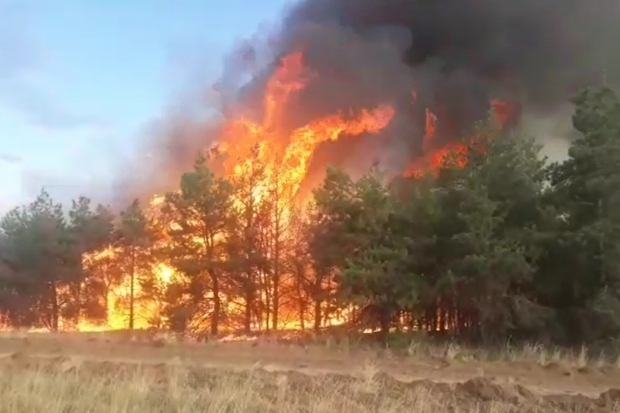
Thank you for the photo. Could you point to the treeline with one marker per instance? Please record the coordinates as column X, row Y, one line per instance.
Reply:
column 495, row 244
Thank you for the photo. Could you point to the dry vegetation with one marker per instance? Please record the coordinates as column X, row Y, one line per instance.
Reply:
column 119, row 373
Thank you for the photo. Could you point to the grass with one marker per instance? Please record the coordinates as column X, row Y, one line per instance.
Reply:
column 420, row 346
column 533, row 353
column 75, row 386
column 79, row 373
column 417, row 348
column 173, row 388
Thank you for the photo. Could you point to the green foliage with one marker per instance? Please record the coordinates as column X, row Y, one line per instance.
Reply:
column 42, row 249
column 458, row 246
column 361, row 219
column 580, row 275
column 37, row 245
column 199, row 216
column 488, row 219
column 136, row 239
column 90, row 230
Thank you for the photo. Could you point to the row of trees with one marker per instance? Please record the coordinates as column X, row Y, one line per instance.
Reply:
column 494, row 244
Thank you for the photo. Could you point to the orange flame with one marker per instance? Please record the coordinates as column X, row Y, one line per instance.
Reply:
column 118, row 294
column 429, row 130
column 288, row 153
column 433, row 159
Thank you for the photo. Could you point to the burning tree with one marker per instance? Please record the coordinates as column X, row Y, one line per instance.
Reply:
column 199, row 215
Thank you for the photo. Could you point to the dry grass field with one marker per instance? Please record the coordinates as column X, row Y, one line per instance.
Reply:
column 118, row 373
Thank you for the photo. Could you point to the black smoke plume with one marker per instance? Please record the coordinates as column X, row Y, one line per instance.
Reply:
column 455, row 55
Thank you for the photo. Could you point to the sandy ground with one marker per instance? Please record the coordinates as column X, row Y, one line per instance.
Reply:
column 551, row 378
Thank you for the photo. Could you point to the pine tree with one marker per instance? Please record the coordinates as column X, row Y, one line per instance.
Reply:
column 200, row 217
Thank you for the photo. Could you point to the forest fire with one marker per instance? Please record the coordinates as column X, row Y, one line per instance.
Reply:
column 222, row 243
column 285, row 156
column 133, row 295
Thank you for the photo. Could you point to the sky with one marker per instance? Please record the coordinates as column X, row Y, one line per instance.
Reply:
column 79, row 80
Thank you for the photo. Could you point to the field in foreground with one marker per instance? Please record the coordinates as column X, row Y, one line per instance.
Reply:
column 105, row 373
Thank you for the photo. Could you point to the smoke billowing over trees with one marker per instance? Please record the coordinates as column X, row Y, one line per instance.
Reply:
column 454, row 55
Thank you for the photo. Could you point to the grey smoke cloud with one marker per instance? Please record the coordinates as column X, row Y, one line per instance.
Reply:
column 455, row 54
column 461, row 52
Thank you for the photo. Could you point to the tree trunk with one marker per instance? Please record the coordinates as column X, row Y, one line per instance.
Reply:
column 276, row 269
column 217, row 305
column 131, row 287
column 275, row 300
column 247, row 319
column 302, row 315
column 77, row 313
column 266, row 303
column 384, row 322
column 55, row 307
column 317, row 315
column 300, row 301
